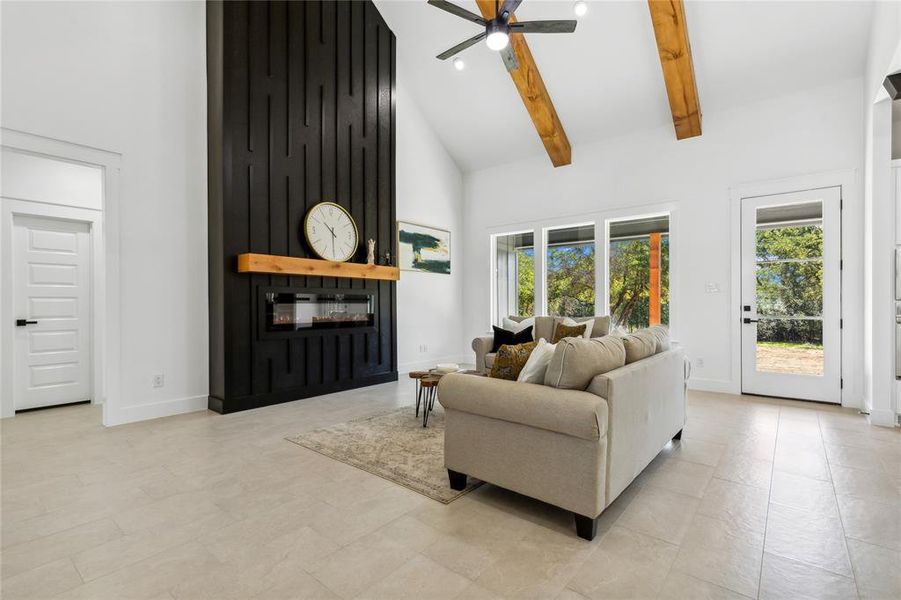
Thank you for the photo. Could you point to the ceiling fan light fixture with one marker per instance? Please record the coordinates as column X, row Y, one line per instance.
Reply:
column 580, row 8
column 459, row 64
column 497, row 40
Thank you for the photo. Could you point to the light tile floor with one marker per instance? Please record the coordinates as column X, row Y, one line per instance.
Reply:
column 761, row 498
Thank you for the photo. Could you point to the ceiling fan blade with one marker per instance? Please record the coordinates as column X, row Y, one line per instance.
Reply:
column 461, row 46
column 543, row 26
column 456, row 10
column 509, row 58
column 509, row 7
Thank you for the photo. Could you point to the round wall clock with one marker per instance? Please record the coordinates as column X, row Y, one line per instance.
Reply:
column 331, row 232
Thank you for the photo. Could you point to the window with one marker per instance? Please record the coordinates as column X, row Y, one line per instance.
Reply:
column 569, row 264
column 638, row 275
column 515, row 274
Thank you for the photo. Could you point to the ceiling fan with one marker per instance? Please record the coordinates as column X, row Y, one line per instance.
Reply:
column 497, row 30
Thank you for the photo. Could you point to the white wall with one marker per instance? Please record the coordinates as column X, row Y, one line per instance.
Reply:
column 818, row 130
column 131, row 78
column 879, row 206
column 429, row 192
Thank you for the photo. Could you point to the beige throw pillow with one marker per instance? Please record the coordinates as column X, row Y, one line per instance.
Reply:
column 640, row 344
column 577, row 361
column 601, row 326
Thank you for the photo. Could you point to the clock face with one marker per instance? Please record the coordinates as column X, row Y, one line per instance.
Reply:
column 331, row 232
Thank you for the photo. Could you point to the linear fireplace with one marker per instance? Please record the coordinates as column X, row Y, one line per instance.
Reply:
column 287, row 311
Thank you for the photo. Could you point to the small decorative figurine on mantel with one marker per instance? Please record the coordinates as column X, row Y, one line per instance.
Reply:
column 370, row 256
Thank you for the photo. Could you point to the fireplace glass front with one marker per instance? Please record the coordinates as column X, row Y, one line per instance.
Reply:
column 286, row 311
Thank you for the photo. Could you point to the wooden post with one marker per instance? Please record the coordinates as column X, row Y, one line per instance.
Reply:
column 654, row 281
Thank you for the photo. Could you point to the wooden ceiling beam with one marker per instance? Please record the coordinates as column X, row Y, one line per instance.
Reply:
column 534, row 94
column 671, row 32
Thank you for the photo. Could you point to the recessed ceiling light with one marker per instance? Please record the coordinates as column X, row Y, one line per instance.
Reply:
column 580, row 8
column 459, row 64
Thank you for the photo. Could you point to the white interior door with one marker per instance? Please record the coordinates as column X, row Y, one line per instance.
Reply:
column 52, row 302
column 791, row 295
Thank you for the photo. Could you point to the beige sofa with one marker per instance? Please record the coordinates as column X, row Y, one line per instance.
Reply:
column 571, row 448
column 544, row 328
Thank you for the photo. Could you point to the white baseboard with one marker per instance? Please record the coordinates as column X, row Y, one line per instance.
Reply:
column 722, row 386
column 154, row 410
column 883, row 418
column 429, row 363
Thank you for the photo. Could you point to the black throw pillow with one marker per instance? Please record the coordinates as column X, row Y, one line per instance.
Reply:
column 502, row 337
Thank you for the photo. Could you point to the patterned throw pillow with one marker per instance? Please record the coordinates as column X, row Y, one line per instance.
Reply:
column 510, row 360
column 564, row 331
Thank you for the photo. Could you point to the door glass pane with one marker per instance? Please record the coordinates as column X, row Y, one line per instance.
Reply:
column 639, row 272
column 515, row 275
column 570, row 271
column 793, row 346
column 789, row 289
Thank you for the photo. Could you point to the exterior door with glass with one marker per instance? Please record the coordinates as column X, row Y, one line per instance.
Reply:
column 791, row 295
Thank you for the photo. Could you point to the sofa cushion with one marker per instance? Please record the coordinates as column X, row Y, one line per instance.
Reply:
column 661, row 334
column 489, row 359
column 562, row 330
column 510, row 338
column 577, row 361
column 639, row 344
column 510, row 360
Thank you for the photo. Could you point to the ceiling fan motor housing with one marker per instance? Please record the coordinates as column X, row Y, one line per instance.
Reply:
column 497, row 25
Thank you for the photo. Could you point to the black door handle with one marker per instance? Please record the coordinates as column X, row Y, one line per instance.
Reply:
column 747, row 320
column 24, row 322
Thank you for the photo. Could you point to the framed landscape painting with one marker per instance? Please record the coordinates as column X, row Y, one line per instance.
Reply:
column 422, row 248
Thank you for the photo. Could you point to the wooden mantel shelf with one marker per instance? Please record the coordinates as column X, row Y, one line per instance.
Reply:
column 289, row 265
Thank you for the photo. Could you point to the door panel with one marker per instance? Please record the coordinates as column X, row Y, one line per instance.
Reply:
column 791, row 303
column 51, row 285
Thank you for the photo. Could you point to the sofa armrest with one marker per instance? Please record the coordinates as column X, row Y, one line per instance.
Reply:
column 570, row 412
column 482, row 345
column 646, row 408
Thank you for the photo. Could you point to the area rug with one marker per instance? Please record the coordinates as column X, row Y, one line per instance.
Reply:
column 394, row 446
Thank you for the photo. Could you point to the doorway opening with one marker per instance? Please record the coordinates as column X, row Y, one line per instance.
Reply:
column 59, row 270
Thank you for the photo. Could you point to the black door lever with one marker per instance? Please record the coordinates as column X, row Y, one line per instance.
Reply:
column 747, row 320
column 24, row 322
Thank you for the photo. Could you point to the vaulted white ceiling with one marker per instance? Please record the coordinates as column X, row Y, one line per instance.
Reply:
column 605, row 79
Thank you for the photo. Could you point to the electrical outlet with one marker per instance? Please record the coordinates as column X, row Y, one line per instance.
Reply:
column 159, row 381
column 699, row 363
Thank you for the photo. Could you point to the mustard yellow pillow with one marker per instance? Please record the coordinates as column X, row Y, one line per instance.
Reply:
column 510, row 360
column 564, row 331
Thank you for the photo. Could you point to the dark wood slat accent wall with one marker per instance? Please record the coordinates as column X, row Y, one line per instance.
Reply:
column 301, row 110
